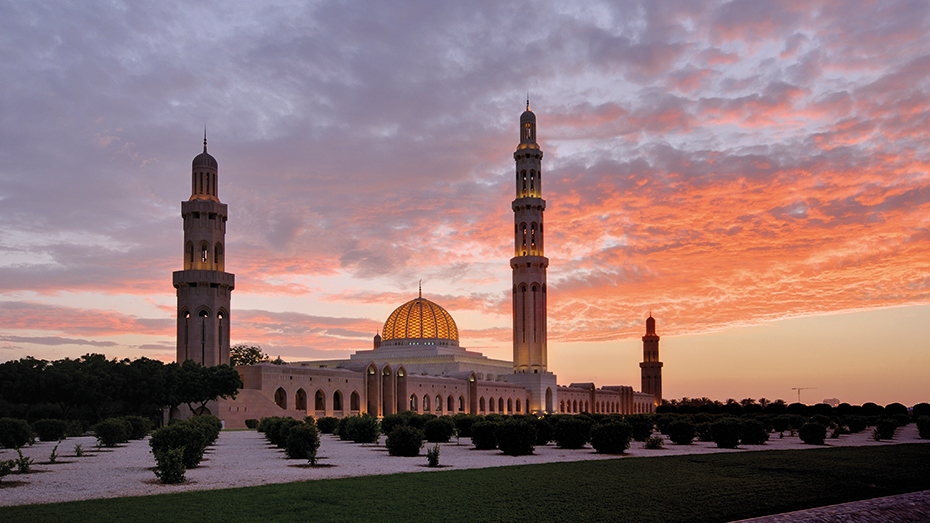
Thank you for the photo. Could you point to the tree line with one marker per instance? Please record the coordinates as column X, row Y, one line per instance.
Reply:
column 92, row 388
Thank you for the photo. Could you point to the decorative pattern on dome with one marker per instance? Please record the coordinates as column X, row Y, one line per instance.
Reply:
column 420, row 319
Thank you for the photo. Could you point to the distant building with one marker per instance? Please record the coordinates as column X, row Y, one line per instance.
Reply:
column 416, row 363
column 833, row 402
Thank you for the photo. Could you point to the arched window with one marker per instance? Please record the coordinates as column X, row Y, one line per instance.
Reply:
column 337, row 401
column 491, row 405
column 450, row 404
column 354, row 401
column 319, row 403
column 438, row 403
column 189, row 255
column 461, row 403
column 426, row 403
column 218, row 257
column 280, row 398
column 500, row 405
column 481, row 404
column 301, row 400
column 413, row 402
column 518, row 406
column 510, row 405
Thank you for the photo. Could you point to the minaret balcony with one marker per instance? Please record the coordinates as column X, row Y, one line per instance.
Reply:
column 221, row 278
column 528, row 202
column 529, row 261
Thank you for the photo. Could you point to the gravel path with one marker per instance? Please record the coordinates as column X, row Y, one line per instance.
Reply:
column 244, row 458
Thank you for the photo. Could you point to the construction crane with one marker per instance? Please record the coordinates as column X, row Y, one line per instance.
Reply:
column 799, row 389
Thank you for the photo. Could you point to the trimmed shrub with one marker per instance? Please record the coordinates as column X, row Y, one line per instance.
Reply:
column 278, row 430
column 813, row 433
column 139, row 426
column 265, row 422
column 543, row 428
column 169, row 465
column 662, row 422
column 893, row 409
column 781, row 423
column 726, row 433
column 417, row 421
column 921, row 409
column 404, row 440
column 884, row 428
column 342, row 429
column 855, row 424
column 179, row 435
column 111, row 432
column 572, row 433
column 482, row 435
column 75, row 429
column 327, row 424
column 611, row 438
column 50, row 429
column 681, row 432
column 210, row 425
column 251, row 423
column 439, row 430
column 642, row 426
column 752, row 432
column 464, row 423
column 302, row 442
column 654, row 443
column 515, row 437
column 822, row 420
column 923, row 427
column 392, row 421
column 14, row 433
column 704, row 431
column 902, row 419
column 363, row 429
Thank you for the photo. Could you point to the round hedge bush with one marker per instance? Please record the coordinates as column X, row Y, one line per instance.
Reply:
column 813, row 433
column 439, row 430
column 327, row 424
column 681, row 432
column 753, row 432
column 885, row 428
column 611, row 438
column 363, row 429
column 464, row 423
column 404, row 440
column 726, row 433
column 543, row 428
column 14, row 433
column 923, row 427
column 482, row 435
column 302, row 442
column 391, row 422
column 140, row 427
column 184, row 435
column 50, row 429
column 516, row 437
column 572, row 433
column 251, row 423
column 111, row 432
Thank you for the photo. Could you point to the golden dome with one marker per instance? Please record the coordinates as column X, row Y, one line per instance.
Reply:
column 420, row 319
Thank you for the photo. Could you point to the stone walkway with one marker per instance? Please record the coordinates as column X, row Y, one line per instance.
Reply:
column 905, row 508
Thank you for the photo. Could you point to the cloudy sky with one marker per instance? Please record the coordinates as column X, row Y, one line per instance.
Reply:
column 754, row 173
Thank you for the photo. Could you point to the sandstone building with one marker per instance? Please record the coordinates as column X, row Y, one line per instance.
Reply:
column 416, row 363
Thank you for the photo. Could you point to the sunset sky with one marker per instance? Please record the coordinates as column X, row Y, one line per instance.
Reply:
column 754, row 173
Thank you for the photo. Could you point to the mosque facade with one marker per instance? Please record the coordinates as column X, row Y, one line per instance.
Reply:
column 416, row 363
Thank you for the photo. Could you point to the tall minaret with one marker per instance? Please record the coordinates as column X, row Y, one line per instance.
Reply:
column 651, row 366
column 529, row 263
column 203, row 286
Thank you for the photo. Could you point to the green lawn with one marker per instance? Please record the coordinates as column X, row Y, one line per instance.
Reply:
column 719, row 487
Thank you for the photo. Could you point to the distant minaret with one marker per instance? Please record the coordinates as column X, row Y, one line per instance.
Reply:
column 651, row 366
column 529, row 263
column 203, row 287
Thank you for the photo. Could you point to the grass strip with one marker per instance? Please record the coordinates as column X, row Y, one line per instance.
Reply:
column 710, row 487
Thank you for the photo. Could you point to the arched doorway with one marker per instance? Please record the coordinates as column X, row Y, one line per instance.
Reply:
column 301, row 399
column 280, row 398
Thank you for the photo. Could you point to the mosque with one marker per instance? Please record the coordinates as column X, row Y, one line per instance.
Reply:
column 416, row 363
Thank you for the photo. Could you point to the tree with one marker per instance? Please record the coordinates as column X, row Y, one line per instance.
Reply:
column 199, row 385
column 246, row 355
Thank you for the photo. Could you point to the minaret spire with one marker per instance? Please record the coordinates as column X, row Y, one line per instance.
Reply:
column 421, row 288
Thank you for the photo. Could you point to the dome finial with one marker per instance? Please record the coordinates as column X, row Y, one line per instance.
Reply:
column 527, row 100
column 204, row 138
column 421, row 288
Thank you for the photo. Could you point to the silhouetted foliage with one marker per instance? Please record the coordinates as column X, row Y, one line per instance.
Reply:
column 439, row 430
column 894, row 409
column 328, row 424
column 923, row 427
column 921, row 409
column 871, row 409
column 14, row 433
column 50, row 429
column 681, row 432
column 246, row 355
column 572, row 432
column 752, row 432
column 885, row 428
column 113, row 431
column 611, row 438
column 464, row 423
column 482, row 435
column 404, row 440
column 515, row 437
column 813, row 433
column 726, row 432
